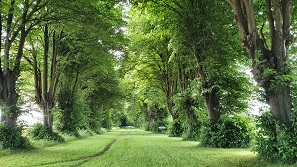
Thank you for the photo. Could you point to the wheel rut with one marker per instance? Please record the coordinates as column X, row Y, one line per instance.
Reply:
column 86, row 158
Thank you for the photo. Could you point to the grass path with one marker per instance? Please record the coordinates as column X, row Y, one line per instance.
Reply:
column 131, row 148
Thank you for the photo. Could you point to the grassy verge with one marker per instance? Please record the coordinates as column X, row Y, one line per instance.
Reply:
column 58, row 153
column 132, row 148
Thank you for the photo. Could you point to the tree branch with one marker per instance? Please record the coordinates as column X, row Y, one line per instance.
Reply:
column 45, row 62
column 8, row 40
column 287, row 19
column 263, row 37
column 277, row 13
column 271, row 22
column 22, row 39
column 239, row 17
column 28, row 60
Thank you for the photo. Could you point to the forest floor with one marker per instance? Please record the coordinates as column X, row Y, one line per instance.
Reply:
column 130, row 148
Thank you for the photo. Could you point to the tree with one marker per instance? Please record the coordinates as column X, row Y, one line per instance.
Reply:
column 46, row 75
column 18, row 18
column 268, row 52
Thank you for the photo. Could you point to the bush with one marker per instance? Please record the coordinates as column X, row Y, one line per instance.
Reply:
column 11, row 138
column 276, row 142
column 194, row 122
column 41, row 132
column 175, row 128
column 194, row 135
column 229, row 132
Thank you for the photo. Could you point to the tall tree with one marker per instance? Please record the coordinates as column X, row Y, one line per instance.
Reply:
column 46, row 74
column 268, row 52
column 18, row 19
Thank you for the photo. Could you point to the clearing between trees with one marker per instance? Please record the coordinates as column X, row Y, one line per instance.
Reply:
column 134, row 147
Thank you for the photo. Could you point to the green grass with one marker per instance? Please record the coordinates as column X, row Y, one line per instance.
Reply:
column 135, row 148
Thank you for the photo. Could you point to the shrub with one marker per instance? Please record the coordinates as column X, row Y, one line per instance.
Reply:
column 275, row 142
column 175, row 128
column 194, row 122
column 11, row 138
column 229, row 132
column 194, row 135
column 41, row 132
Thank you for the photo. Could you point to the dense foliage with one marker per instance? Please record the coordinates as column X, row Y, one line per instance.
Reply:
column 268, row 144
column 229, row 132
column 11, row 138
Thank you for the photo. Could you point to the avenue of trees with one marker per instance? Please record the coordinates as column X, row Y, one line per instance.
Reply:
column 183, row 65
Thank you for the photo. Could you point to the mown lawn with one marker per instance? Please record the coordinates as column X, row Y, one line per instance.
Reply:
column 132, row 148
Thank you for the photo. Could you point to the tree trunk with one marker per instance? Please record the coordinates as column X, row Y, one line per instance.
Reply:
column 47, row 105
column 280, row 103
column 211, row 95
column 166, row 82
column 212, row 104
column 10, row 98
column 190, row 119
column 47, row 116
column 45, row 91
column 168, row 92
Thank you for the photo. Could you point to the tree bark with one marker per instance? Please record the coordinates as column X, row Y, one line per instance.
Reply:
column 47, row 116
column 212, row 104
column 263, row 58
column 10, row 98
